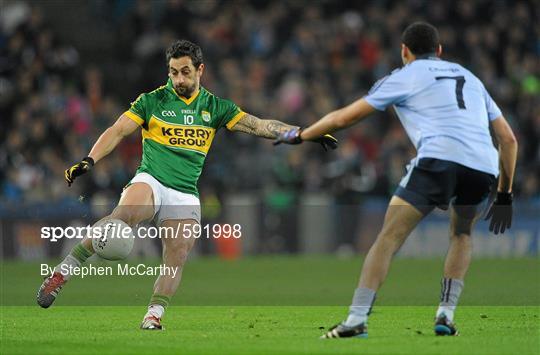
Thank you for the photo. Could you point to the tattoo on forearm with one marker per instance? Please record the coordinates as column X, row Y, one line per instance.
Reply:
column 262, row 128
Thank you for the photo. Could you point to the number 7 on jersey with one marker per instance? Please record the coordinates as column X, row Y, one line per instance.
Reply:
column 460, row 81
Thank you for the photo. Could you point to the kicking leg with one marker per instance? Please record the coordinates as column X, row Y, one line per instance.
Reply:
column 456, row 265
column 176, row 246
column 400, row 219
column 136, row 205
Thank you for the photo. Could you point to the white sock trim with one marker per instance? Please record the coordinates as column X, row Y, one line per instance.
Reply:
column 448, row 311
column 66, row 264
column 354, row 319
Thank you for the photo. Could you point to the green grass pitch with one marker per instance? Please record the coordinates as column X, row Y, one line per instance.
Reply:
column 275, row 305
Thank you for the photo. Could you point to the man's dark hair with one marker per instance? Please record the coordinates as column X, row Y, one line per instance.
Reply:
column 421, row 38
column 184, row 48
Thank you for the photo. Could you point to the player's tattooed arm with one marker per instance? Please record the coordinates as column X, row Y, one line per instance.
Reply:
column 263, row 128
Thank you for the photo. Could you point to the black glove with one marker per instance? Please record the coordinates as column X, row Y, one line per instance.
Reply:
column 327, row 141
column 500, row 213
column 78, row 169
column 292, row 136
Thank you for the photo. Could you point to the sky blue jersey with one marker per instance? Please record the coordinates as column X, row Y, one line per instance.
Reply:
column 445, row 110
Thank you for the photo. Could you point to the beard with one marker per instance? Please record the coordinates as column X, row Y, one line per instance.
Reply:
column 185, row 91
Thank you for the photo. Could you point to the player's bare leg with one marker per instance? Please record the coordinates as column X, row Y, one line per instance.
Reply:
column 459, row 253
column 177, row 244
column 136, row 204
column 400, row 219
column 456, row 265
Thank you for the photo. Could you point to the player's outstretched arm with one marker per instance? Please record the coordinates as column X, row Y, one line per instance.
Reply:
column 339, row 119
column 104, row 145
column 333, row 121
column 274, row 129
column 262, row 128
column 500, row 212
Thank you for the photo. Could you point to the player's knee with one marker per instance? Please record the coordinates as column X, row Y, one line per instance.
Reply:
column 176, row 253
column 461, row 228
column 460, row 237
column 386, row 243
column 130, row 216
column 126, row 217
column 177, row 257
column 393, row 235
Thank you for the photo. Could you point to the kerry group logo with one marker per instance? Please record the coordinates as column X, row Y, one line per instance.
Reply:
column 168, row 113
column 186, row 136
column 181, row 136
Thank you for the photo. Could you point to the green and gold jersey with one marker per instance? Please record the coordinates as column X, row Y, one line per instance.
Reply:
column 177, row 133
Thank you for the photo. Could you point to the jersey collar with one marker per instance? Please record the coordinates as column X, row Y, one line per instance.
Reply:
column 186, row 100
column 430, row 56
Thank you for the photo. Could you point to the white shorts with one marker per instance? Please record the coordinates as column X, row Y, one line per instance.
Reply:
column 170, row 203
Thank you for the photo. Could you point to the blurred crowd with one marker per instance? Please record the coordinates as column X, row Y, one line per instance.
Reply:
column 293, row 61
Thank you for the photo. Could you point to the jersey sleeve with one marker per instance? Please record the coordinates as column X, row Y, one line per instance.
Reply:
column 390, row 90
column 229, row 114
column 492, row 109
column 139, row 110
